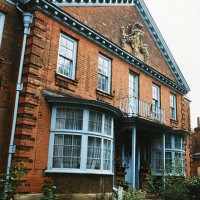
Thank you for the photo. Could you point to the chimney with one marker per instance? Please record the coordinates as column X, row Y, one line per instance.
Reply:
column 198, row 122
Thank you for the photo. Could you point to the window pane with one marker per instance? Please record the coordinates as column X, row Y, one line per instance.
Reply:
column 107, row 125
column 159, row 164
column 178, row 143
column 66, row 58
column 94, row 153
column 95, row 122
column 67, row 151
column 168, row 161
column 69, row 118
column 168, row 142
column 107, row 154
column 103, row 73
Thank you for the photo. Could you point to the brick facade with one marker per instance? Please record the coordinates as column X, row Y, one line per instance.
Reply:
column 193, row 152
column 39, row 75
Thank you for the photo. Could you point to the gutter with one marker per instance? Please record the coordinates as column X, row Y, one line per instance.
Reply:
column 27, row 19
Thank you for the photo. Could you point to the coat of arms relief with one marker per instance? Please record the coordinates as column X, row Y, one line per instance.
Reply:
column 134, row 39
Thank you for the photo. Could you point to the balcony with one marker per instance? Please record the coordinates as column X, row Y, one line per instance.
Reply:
column 134, row 107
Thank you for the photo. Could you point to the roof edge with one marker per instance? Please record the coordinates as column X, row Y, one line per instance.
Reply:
column 160, row 42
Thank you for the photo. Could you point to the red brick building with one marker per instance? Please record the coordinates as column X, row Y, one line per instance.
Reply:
column 99, row 90
column 194, row 151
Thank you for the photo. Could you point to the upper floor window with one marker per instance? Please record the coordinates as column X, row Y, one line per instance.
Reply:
column 104, row 74
column 67, row 56
column 133, row 93
column 156, row 98
column 80, row 140
column 2, row 19
column 173, row 106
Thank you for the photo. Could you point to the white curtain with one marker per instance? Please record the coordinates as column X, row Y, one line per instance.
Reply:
column 58, row 149
column 69, row 118
column 106, row 154
column 67, row 150
column 107, row 125
column 94, row 153
column 95, row 122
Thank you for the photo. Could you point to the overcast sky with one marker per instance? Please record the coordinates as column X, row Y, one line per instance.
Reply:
column 179, row 24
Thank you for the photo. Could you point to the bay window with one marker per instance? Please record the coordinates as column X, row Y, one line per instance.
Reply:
column 173, row 160
column 81, row 140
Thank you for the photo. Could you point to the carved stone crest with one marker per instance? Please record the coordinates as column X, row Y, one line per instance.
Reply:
column 134, row 39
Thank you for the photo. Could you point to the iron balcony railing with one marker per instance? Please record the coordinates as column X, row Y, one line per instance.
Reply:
column 134, row 107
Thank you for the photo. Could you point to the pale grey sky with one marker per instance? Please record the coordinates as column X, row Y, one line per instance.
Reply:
column 179, row 24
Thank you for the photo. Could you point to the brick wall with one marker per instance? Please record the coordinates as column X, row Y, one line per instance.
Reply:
column 9, row 55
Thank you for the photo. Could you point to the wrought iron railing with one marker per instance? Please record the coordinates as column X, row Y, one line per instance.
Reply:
column 134, row 107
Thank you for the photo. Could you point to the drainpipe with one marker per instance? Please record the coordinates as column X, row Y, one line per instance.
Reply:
column 27, row 18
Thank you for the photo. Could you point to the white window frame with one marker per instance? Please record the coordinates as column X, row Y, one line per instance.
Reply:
column 106, row 74
column 173, row 109
column 65, row 57
column 85, row 134
column 170, row 148
column 133, row 94
column 156, row 98
column 2, row 19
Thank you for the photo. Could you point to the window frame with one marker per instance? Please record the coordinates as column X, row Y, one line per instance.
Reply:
column 173, row 106
column 156, row 101
column 74, row 56
column 85, row 134
column 2, row 21
column 108, row 89
column 172, row 150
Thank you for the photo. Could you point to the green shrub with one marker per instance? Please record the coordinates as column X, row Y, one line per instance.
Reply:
column 48, row 189
column 193, row 187
column 9, row 188
column 133, row 194
column 168, row 187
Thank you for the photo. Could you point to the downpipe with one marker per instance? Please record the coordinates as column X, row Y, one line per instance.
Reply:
column 27, row 19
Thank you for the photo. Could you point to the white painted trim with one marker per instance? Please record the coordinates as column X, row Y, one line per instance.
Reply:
column 2, row 20
column 74, row 59
column 84, row 144
column 134, row 154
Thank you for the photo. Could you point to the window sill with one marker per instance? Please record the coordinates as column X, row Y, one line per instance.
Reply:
column 101, row 94
column 77, row 172
column 63, row 81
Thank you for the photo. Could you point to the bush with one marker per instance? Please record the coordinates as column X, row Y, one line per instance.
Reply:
column 9, row 189
column 168, row 187
column 48, row 188
column 133, row 194
column 193, row 187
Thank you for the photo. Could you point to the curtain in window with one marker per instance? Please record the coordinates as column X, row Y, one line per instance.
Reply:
column 67, row 151
column 106, row 154
column 58, row 149
column 69, row 118
column 107, row 125
column 95, row 122
column 94, row 153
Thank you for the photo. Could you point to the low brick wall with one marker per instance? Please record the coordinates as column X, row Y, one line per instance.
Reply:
column 82, row 183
